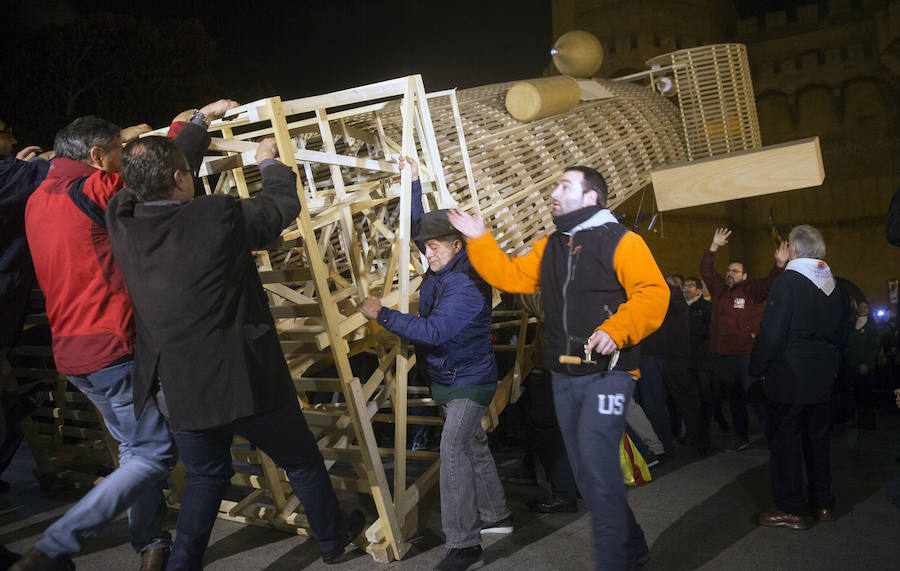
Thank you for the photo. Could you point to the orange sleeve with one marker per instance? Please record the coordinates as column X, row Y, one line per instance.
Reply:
column 521, row 274
column 645, row 288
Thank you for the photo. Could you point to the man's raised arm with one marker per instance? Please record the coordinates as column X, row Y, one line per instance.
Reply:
column 521, row 274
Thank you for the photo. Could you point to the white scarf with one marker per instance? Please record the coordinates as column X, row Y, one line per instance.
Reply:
column 816, row 271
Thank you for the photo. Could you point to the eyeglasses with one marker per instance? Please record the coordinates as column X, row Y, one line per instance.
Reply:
column 6, row 129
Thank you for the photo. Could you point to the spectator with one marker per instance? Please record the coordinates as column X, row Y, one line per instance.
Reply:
column 736, row 309
column 796, row 352
column 701, row 363
column 858, row 370
column 542, row 427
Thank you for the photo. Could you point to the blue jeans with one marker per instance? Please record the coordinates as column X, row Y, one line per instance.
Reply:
column 282, row 434
column 146, row 454
column 471, row 491
column 591, row 414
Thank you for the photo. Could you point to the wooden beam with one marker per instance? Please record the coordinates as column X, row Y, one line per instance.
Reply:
column 776, row 168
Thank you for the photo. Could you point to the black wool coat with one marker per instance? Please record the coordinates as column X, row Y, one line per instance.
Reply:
column 203, row 323
column 799, row 340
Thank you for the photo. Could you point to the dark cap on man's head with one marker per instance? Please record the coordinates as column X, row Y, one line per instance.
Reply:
column 434, row 225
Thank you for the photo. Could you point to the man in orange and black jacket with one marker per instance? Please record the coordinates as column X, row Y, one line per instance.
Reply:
column 602, row 292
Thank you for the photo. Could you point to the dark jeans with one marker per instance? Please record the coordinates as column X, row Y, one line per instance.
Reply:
column 545, row 437
column 651, row 394
column 800, row 433
column 285, row 437
column 684, row 392
column 706, row 396
column 733, row 370
column 591, row 414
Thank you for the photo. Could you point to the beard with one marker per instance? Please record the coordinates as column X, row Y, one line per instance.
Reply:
column 729, row 281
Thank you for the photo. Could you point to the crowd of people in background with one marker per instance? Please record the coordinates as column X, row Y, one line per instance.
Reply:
column 663, row 354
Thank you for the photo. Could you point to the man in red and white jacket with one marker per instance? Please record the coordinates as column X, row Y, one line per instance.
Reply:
column 92, row 323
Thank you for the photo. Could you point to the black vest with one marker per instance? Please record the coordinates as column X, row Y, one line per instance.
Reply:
column 580, row 290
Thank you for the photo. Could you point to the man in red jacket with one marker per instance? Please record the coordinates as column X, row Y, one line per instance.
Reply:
column 737, row 305
column 92, row 323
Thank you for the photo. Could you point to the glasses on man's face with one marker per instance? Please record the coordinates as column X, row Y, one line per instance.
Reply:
column 7, row 130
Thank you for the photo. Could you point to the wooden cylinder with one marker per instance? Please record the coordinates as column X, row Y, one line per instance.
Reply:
column 538, row 98
column 577, row 54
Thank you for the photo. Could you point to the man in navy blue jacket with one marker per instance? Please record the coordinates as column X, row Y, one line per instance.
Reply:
column 452, row 334
column 19, row 176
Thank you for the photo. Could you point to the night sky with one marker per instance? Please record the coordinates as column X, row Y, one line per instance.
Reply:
column 264, row 48
column 310, row 47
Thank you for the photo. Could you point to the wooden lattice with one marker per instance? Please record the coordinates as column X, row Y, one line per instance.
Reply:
column 715, row 92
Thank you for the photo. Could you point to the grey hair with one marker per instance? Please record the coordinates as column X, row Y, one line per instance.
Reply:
column 807, row 242
column 75, row 140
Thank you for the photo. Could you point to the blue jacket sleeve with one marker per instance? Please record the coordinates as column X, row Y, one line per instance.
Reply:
column 18, row 179
column 416, row 213
column 460, row 302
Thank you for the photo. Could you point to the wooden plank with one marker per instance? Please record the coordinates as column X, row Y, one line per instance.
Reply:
column 776, row 168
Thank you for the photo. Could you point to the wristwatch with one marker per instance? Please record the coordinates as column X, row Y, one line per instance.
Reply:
column 198, row 115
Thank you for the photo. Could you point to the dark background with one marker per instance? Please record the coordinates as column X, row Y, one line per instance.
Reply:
column 133, row 62
column 145, row 61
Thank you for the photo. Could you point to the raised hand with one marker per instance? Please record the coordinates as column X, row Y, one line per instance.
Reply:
column 782, row 254
column 413, row 166
column 720, row 238
column 217, row 109
column 470, row 225
column 28, row 153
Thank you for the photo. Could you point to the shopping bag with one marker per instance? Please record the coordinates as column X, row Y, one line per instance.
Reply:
column 634, row 468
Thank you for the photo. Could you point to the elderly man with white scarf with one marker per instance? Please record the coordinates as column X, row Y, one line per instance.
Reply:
column 803, row 328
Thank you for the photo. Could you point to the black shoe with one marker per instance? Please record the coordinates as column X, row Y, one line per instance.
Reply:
column 552, row 505
column 356, row 523
column 155, row 559
column 460, row 559
column 737, row 445
column 639, row 562
column 35, row 560
column 654, row 459
column 505, row 525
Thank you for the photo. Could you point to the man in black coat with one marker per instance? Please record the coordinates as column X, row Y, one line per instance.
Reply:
column 803, row 327
column 701, row 364
column 204, row 330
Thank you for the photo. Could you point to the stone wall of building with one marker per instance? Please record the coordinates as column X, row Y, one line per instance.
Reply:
column 829, row 69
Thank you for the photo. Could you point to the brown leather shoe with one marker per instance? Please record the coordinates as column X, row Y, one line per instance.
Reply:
column 825, row 515
column 777, row 518
column 155, row 559
column 36, row 560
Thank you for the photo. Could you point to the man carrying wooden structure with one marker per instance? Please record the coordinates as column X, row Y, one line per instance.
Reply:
column 188, row 312
column 452, row 334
